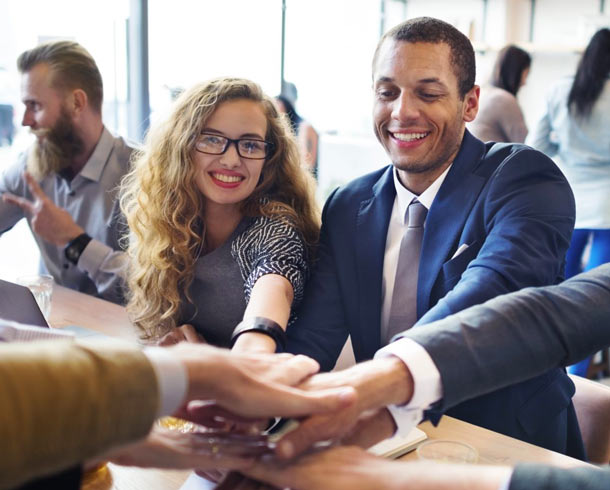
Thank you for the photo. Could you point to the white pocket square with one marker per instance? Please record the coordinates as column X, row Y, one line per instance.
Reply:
column 460, row 249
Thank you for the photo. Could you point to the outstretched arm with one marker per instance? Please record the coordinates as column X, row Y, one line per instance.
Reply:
column 78, row 400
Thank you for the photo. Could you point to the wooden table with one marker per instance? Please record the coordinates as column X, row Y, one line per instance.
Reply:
column 72, row 308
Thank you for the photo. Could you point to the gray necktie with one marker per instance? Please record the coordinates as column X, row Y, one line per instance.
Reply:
column 403, row 313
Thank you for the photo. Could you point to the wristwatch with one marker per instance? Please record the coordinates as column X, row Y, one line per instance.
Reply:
column 75, row 247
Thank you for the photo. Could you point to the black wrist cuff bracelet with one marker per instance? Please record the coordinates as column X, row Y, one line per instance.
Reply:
column 261, row 325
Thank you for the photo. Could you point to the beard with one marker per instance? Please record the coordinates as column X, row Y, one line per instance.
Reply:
column 55, row 148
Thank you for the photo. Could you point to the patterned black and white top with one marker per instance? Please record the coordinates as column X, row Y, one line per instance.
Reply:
column 224, row 278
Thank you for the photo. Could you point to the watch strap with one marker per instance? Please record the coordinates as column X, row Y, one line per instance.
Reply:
column 75, row 247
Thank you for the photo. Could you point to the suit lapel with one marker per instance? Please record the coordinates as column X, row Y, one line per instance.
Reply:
column 447, row 216
column 371, row 230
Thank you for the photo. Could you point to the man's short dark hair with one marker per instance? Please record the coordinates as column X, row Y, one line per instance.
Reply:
column 71, row 66
column 430, row 30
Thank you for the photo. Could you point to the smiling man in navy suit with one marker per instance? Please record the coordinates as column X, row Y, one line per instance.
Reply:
column 495, row 218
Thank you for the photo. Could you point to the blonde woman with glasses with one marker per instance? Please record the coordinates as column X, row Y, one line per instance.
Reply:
column 223, row 221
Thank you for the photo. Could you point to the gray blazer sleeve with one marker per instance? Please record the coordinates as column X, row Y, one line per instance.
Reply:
column 517, row 336
column 538, row 477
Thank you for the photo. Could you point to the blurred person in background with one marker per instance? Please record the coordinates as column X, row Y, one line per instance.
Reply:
column 307, row 136
column 500, row 118
column 575, row 128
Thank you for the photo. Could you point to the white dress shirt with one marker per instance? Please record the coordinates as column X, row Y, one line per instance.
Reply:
column 427, row 388
column 427, row 381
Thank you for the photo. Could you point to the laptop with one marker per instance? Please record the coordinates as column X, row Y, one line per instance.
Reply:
column 17, row 303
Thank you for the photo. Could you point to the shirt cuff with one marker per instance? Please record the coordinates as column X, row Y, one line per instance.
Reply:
column 172, row 379
column 506, row 484
column 93, row 256
column 405, row 419
column 427, row 388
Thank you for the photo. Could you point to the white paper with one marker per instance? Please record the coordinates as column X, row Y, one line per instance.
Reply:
column 194, row 482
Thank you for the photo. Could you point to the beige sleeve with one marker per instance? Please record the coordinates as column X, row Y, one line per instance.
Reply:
column 64, row 402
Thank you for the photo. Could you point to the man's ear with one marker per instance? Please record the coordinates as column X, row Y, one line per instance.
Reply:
column 78, row 101
column 471, row 103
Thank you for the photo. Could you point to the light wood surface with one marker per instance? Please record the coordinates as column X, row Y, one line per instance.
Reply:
column 493, row 448
column 72, row 308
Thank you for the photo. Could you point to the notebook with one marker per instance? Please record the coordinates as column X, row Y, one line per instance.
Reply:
column 398, row 446
column 17, row 303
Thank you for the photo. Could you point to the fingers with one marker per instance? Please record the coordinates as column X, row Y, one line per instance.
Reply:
column 190, row 334
column 273, row 473
column 258, row 399
column 309, row 432
column 35, row 188
column 212, row 475
column 27, row 206
column 371, row 429
column 294, row 370
column 223, row 445
column 171, row 338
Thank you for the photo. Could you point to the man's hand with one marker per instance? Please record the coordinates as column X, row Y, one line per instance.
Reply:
column 351, row 467
column 379, row 383
column 256, row 385
column 52, row 223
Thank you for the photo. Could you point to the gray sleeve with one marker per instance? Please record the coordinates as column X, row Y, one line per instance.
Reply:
column 513, row 122
column 106, row 268
column 11, row 181
column 540, row 477
column 517, row 336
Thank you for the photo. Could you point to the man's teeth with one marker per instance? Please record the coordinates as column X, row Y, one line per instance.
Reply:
column 409, row 136
column 229, row 179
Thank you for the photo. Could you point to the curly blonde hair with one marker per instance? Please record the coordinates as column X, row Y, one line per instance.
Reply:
column 164, row 207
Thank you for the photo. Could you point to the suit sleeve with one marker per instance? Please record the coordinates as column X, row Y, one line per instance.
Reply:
column 320, row 329
column 63, row 403
column 517, row 336
column 539, row 477
column 528, row 217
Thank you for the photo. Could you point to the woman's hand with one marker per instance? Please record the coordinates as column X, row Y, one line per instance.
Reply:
column 183, row 333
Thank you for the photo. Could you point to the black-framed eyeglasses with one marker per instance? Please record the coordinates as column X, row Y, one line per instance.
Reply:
column 214, row 144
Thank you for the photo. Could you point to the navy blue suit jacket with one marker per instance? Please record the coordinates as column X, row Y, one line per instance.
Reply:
column 514, row 210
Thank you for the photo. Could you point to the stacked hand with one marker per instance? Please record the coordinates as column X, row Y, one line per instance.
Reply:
column 241, row 390
column 363, row 423
column 244, row 388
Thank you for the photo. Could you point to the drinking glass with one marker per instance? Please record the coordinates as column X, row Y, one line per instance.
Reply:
column 41, row 286
column 447, row 451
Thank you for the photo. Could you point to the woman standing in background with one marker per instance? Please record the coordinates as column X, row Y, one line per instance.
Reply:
column 576, row 129
column 500, row 118
column 307, row 136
